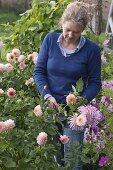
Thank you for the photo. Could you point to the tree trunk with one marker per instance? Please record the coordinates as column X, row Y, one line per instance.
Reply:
column 98, row 17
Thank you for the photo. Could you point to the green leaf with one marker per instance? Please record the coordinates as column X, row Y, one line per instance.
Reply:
column 10, row 163
column 79, row 85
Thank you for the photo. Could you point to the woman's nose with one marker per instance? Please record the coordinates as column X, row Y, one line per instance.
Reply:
column 70, row 34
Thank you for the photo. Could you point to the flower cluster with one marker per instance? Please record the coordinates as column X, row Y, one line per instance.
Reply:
column 43, row 137
column 16, row 56
column 11, row 92
column 107, row 101
column 6, row 67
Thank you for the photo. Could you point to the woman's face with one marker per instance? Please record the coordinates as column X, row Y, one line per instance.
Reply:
column 71, row 31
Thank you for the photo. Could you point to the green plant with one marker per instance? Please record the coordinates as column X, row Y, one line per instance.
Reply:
column 29, row 31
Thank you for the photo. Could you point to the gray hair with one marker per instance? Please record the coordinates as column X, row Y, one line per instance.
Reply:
column 76, row 12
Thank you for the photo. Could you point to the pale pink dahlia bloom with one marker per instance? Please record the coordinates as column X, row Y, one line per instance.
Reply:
column 30, row 57
column 71, row 99
column 33, row 57
column 9, row 124
column 42, row 138
column 21, row 58
column 72, row 121
column 16, row 52
column 64, row 139
column 2, row 127
column 8, row 67
column 1, row 92
column 77, row 122
column 11, row 92
column 10, row 58
column 38, row 111
column 35, row 60
column 2, row 67
column 81, row 120
column 30, row 82
column 22, row 65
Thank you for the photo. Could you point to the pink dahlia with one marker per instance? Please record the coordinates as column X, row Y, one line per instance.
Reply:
column 8, row 67
column 71, row 99
column 42, row 138
column 38, row 111
column 22, row 65
column 2, row 67
column 11, row 92
column 30, row 82
column 33, row 57
column 64, row 139
column 72, row 121
column 9, row 124
column 10, row 58
column 21, row 58
column 16, row 52
column 2, row 127
column 30, row 57
column 1, row 92
column 81, row 120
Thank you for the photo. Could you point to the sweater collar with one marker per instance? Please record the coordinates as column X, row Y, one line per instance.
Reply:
column 79, row 46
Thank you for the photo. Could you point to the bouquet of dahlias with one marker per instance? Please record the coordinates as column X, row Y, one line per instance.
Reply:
column 80, row 114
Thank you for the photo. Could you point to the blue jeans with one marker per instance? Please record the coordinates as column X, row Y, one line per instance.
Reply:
column 75, row 136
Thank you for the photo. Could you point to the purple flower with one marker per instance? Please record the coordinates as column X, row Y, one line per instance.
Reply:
column 106, row 42
column 106, row 100
column 93, row 115
column 103, row 160
column 100, row 145
column 97, row 105
column 110, row 84
column 110, row 108
column 87, row 135
column 104, row 84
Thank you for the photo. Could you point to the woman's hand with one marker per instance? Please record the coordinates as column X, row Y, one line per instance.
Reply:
column 52, row 103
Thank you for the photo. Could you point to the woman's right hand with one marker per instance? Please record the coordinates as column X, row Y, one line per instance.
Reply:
column 52, row 103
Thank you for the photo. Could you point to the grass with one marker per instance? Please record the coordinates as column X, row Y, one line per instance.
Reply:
column 6, row 16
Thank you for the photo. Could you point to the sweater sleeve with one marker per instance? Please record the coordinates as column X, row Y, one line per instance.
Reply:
column 94, row 75
column 40, row 70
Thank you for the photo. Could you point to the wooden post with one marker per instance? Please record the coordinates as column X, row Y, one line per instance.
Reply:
column 109, row 27
column 97, row 18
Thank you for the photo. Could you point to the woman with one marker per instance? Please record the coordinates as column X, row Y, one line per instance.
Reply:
column 64, row 58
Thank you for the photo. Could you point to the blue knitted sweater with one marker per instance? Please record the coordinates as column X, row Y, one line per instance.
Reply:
column 59, row 73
